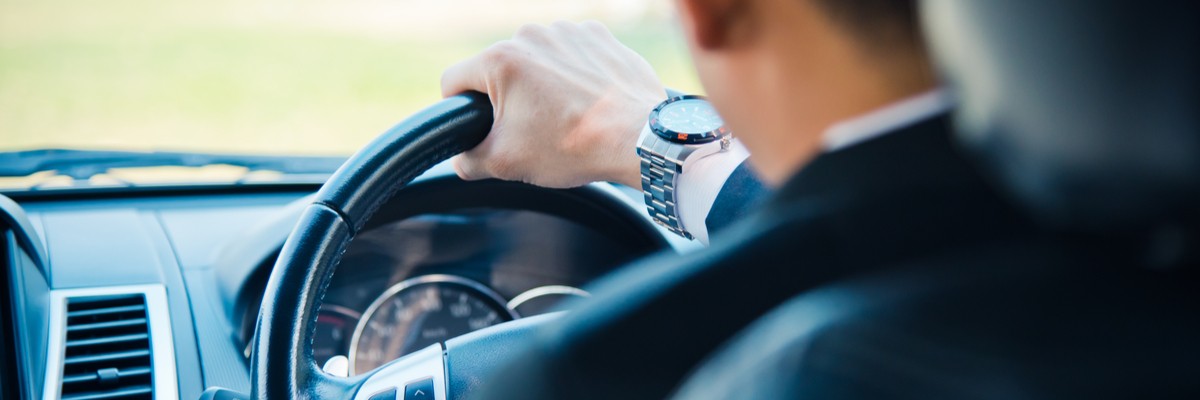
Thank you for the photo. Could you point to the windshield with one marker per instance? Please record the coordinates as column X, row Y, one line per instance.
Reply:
column 262, row 77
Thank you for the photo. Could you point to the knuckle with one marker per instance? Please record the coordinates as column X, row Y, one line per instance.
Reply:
column 532, row 32
column 503, row 58
column 562, row 25
column 502, row 51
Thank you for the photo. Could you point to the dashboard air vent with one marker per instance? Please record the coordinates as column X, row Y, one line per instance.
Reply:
column 107, row 349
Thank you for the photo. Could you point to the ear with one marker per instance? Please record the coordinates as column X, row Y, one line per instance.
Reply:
column 709, row 23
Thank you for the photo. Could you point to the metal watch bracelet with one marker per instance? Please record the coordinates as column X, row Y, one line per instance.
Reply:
column 658, row 187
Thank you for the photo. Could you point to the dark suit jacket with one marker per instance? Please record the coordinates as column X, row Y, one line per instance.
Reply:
column 741, row 193
column 893, row 198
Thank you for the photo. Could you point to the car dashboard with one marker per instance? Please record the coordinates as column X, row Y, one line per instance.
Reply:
column 155, row 293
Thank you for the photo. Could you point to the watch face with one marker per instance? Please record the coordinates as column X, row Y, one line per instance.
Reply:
column 690, row 116
column 687, row 120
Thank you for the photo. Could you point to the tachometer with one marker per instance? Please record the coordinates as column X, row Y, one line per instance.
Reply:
column 418, row 312
column 332, row 335
column 545, row 299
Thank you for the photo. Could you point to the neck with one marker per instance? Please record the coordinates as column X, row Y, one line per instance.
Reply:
column 816, row 95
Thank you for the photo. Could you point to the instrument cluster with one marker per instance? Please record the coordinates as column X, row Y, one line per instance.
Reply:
column 403, row 286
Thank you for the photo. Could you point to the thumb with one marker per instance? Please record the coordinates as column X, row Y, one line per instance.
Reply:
column 468, row 168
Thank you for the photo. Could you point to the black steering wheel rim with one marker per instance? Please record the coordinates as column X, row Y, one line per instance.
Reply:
column 282, row 364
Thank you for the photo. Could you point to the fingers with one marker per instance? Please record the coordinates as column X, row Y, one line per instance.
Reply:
column 478, row 164
column 534, row 33
column 599, row 30
column 503, row 60
column 467, row 168
column 485, row 71
column 467, row 75
column 482, row 161
column 566, row 84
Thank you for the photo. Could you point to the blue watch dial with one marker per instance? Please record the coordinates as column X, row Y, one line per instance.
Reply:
column 687, row 120
column 690, row 116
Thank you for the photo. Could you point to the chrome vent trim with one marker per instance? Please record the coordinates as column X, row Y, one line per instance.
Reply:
column 158, row 330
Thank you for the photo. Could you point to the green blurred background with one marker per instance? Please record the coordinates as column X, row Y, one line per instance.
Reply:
column 263, row 76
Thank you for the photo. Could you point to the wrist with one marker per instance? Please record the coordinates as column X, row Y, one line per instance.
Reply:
column 626, row 165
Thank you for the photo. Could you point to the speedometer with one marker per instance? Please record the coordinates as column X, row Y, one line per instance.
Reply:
column 418, row 312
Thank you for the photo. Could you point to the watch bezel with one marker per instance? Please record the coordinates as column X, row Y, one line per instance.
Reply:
column 684, row 137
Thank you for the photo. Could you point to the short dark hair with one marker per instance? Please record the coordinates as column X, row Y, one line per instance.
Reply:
column 878, row 24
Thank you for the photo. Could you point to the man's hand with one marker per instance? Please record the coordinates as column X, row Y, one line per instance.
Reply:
column 570, row 102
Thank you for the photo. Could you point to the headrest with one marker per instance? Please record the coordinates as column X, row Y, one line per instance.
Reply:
column 1087, row 110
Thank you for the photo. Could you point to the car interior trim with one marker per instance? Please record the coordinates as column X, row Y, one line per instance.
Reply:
column 151, row 191
column 13, row 215
column 545, row 291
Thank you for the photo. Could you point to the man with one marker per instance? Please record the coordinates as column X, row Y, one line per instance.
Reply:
column 572, row 101
column 837, row 105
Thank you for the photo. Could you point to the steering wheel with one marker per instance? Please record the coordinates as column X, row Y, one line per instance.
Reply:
column 282, row 364
column 579, row 357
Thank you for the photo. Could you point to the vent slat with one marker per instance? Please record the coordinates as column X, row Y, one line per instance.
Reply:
column 121, row 355
column 114, row 394
column 107, row 325
column 122, row 374
column 107, row 340
column 103, row 311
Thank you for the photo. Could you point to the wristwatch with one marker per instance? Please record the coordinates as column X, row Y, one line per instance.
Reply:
column 679, row 130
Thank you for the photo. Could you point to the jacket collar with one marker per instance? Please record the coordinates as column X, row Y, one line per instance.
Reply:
column 886, row 119
column 919, row 155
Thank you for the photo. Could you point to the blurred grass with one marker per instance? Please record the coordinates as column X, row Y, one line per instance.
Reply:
column 256, row 76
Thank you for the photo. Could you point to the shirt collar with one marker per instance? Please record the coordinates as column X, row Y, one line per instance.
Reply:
column 889, row 118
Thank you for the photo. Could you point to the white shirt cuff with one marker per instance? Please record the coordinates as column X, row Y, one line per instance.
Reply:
column 697, row 188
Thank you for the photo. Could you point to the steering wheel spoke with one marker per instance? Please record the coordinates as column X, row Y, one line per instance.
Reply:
column 417, row 376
